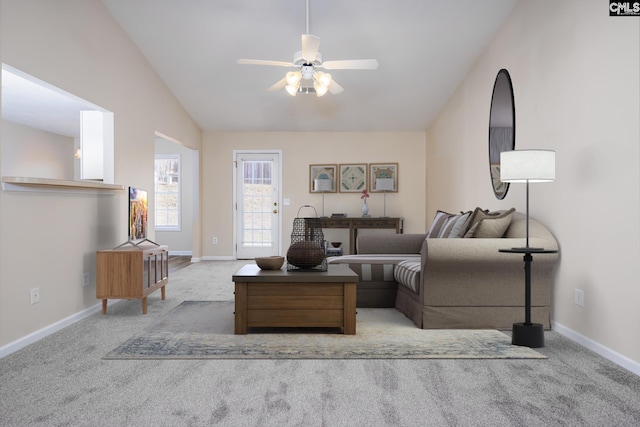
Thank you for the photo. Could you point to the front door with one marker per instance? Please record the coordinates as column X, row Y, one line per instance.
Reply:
column 257, row 217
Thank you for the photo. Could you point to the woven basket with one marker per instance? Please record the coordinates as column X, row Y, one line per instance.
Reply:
column 307, row 244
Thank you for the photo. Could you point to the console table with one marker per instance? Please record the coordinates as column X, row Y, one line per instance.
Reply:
column 353, row 224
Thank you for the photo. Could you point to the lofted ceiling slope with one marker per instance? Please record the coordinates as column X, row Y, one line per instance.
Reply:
column 425, row 49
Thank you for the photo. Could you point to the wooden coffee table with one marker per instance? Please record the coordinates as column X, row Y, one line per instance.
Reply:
column 281, row 298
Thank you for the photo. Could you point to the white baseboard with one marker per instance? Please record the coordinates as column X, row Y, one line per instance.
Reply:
column 218, row 258
column 21, row 343
column 607, row 353
column 180, row 253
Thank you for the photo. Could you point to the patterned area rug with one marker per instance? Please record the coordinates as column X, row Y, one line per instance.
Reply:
column 204, row 330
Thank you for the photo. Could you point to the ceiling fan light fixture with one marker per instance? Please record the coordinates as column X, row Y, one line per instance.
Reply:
column 307, row 72
column 292, row 89
column 293, row 78
column 307, row 78
column 321, row 82
column 320, row 90
column 323, row 78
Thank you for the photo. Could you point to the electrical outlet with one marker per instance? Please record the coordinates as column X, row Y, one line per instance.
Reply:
column 35, row 295
column 85, row 279
column 215, row 240
column 579, row 297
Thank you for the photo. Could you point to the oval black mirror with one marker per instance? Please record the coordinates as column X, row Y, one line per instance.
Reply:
column 502, row 129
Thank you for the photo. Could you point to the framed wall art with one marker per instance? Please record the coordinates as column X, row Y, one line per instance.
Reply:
column 384, row 177
column 322, row 178
column 353, row 178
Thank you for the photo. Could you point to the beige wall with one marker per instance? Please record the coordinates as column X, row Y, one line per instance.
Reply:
column 32, row 152
column 575, row 75
column 49, row 239
column 299, row 150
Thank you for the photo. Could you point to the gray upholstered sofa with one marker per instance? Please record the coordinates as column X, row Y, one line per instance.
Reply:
column 460, row 282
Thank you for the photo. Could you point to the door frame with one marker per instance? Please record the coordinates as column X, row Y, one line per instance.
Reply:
column 235, row 155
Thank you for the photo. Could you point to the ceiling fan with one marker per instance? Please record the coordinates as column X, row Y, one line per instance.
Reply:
column 308, row 78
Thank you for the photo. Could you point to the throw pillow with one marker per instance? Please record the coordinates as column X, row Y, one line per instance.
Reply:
column 447, row 225
column 475, row 216
column 493, row 225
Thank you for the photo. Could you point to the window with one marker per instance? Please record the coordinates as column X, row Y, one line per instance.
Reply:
column 167, row 183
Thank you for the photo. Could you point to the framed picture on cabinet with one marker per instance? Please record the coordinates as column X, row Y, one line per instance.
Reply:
column 383, row 177
column 322, row 178
column 353, row 178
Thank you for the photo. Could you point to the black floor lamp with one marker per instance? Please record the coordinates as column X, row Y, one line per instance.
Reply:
column 525, row 166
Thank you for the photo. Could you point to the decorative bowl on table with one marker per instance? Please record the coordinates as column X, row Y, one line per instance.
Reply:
column 336, row 244
column 305, row 254
column 270, row 262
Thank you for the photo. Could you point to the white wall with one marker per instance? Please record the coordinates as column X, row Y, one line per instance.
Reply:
column 299, row 150
column 35, row 153
column 575, row 75
column 50, row 239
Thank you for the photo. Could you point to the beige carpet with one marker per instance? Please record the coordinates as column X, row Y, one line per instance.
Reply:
column 204, row 330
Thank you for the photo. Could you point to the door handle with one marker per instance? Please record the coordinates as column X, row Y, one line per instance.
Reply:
column 275, row 211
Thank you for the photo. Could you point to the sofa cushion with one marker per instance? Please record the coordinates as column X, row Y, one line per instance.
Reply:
column 390, row 243
column 447, row 225
column 374, row 267
column 407, row 273
column 474, row 218
column 491, row 225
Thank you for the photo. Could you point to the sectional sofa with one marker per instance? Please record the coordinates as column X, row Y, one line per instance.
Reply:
column 454, row 276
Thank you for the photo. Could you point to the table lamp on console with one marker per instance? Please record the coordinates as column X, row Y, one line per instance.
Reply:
column 384, row 185
column 528, row 166
column 322, row 186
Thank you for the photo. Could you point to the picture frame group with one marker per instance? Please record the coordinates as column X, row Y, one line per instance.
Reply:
column 353, row 178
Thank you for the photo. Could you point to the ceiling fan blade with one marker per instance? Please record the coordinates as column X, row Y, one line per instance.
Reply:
column 278, row 85
column 351, row 64
column 310, row 46
column 334, row 87
column 264, row 62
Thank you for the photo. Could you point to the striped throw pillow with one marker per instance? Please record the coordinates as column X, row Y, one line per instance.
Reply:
column 447, row 225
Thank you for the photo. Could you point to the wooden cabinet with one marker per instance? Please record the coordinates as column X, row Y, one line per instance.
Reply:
column 131, row 273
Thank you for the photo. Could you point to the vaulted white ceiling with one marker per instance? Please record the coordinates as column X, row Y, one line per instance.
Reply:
column 424, row 47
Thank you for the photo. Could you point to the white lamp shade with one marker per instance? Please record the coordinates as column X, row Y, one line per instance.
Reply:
column 384, row 184
column 528, row 166
column 323, row 184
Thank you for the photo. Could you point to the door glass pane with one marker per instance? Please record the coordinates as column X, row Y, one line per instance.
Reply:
column 257, row 199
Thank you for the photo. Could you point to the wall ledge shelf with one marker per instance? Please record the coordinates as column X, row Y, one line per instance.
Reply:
column 21, row 183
